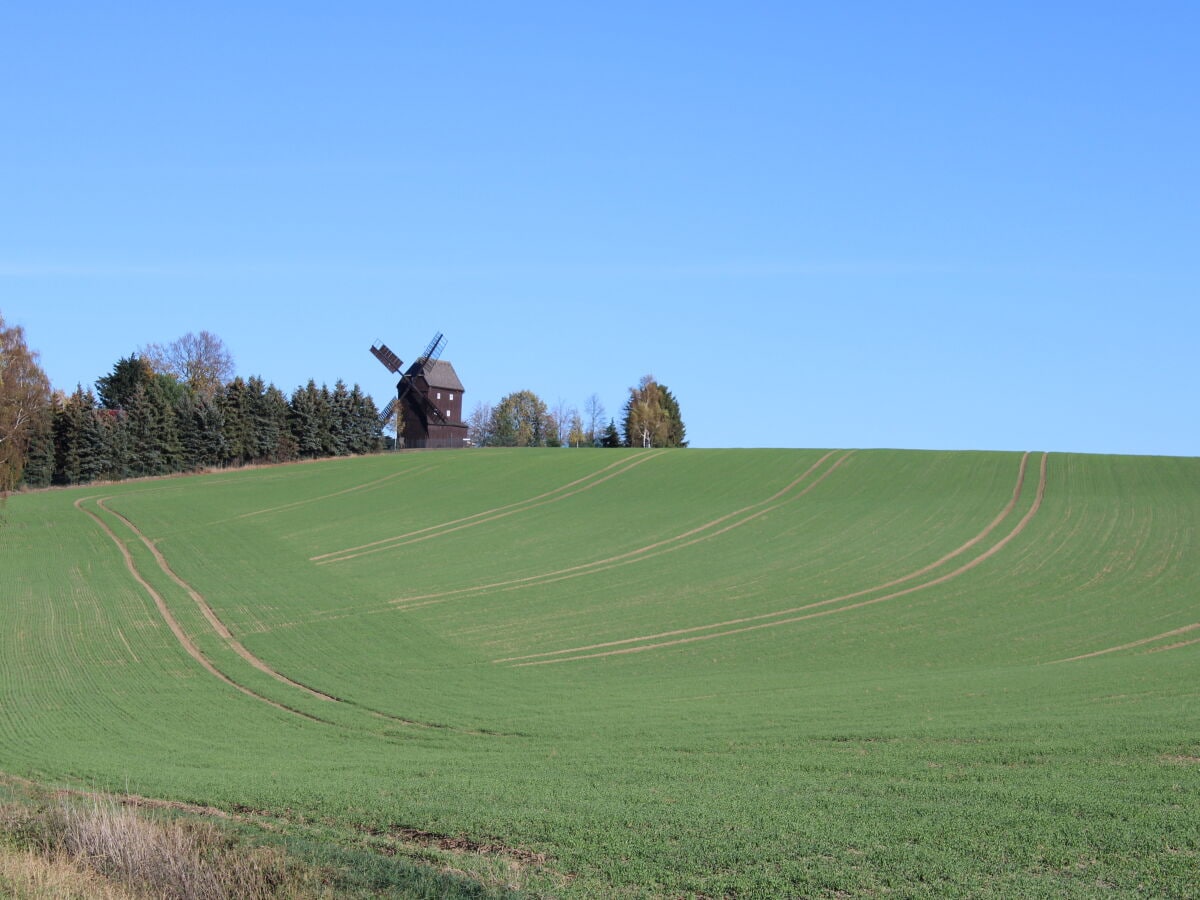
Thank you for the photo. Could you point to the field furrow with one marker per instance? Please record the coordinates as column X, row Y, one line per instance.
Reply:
column 490, row 515
column 790, row 619
column 792, row 673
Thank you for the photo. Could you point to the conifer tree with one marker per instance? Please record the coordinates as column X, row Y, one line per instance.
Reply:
column 275, row 412
column 305, row 407
column 39, row 459
column 117, row 388
column 366, row 432
column 240, row 442
column 340, row 421
column 611, row 437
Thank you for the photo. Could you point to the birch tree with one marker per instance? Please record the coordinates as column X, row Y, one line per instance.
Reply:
column 24, row 398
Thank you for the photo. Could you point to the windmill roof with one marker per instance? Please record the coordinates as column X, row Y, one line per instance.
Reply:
column 442, row 375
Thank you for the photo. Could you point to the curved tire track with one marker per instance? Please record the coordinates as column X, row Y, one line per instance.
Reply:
column 982, row 557
column 173, row 624
column 209, row 613
column 227, row 636
column 666, row 545
column 1138, row 643
column 488, row 515
column 1000, row 517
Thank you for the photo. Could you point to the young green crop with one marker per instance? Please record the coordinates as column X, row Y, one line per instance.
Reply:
column 761, row 673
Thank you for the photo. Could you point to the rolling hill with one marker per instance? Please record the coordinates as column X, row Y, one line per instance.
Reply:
column 639, row 673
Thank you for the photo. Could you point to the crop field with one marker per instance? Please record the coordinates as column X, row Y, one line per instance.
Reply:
column 680, row 673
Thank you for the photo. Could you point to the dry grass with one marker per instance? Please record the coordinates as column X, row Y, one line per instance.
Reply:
column 31, row 875
column 102, row 849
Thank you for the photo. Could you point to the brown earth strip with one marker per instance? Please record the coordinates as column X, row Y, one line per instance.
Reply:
column 487, row 515
column 226, row 635
column 1158, row 637
column 987, row 554
column 1174, row 646
column 176, row 629
column 1001, row 516
column 636, row 555
column 213, row 619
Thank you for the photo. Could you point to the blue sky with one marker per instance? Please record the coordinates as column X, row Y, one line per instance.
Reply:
column 927, row 225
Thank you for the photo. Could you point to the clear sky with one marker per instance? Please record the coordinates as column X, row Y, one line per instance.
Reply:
column 929, row 225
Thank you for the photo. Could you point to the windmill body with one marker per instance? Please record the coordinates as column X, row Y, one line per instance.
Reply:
column 428, row 401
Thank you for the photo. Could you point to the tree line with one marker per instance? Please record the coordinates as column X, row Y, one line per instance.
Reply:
column 178, row 408
column 650, row 418
column 167, row 410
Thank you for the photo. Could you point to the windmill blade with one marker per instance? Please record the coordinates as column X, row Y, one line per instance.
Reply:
column 433, row 351
column 385, row 415
column 421, row 401
column 389, row 359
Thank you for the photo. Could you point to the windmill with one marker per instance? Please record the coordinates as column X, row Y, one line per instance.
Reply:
column 428, row 397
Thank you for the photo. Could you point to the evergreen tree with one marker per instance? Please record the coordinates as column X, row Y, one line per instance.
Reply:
column 82, row 445
column 262, row 432
column 366, row 434
column 118, row 387
column 201, row 431
column 341, row 422
column 276, row 415
column 39, row 458
column 610, row 436
column 155, row 447
column 109, row 451
column 306, row 420
column 241, row 442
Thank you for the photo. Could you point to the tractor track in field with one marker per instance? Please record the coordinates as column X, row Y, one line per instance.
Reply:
column 173, row 624
column 666, row 545
column 1000, row 517
column 1139, row 643
column 541, row 658
column 209, row 613
column 588, row 481
column 227, row 636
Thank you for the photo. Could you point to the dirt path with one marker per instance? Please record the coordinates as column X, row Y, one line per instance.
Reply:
column 987, row 554
column 1000, row 517
column 1138, row 643
column 589, row 481
column 176, row 629
column 213, row 619
column 666, row 545
column 227, row 636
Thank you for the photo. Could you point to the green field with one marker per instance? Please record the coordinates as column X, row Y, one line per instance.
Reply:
column 748, row 673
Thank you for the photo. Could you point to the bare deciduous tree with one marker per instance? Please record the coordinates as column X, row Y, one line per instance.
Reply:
column 593, row 411
column 24, row 394
column 199, row 360
column 561, row 417
column 479, row 423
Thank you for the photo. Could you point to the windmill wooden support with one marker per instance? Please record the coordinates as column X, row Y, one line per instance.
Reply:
column 428, row 400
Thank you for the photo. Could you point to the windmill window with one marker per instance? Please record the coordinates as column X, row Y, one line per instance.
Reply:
column 451, row 396
column 439, row 395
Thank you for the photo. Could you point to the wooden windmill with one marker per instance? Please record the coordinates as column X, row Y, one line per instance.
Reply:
column 428, row 398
